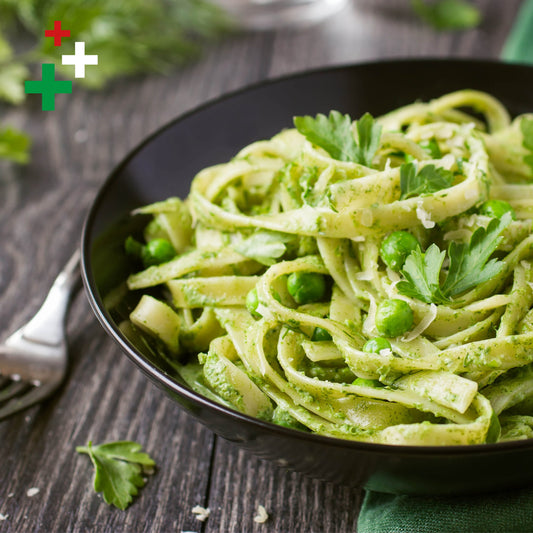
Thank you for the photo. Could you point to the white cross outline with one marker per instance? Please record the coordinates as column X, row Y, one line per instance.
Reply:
column 79, row 59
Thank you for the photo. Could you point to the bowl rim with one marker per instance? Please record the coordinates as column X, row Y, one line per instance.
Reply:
column 166, row 381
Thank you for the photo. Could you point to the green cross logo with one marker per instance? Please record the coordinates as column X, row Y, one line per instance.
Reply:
column 48, row 86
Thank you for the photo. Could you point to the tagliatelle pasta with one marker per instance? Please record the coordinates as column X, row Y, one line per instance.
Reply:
column 368, row 280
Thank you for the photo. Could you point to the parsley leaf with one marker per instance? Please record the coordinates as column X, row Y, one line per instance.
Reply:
column 468, row 262
column 14, row 145
column 118, row 470
column 369, row 133
column 431, row 146
column 469, row 265
column 334, row 134
column 448, row 14
column 428, row 180
column 422, row 271
column 526, row 127
column 264, row 247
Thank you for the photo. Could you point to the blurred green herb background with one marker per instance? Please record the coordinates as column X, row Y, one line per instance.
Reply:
column 132, row 37
column 129, row 36
column 448, row 14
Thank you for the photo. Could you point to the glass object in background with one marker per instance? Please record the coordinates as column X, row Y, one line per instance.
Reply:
column 276, row 14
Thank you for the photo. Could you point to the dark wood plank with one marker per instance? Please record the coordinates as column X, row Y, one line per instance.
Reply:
column 293, row 502
column 105, row 397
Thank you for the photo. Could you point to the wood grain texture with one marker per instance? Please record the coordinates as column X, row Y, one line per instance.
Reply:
column 42, row 207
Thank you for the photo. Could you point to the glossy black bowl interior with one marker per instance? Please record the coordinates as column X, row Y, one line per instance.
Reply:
column 165, row 164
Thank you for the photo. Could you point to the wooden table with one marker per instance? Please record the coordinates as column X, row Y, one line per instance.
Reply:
column 42, row 207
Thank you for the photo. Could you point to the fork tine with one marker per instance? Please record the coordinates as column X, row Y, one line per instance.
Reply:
column 22, row 402
column 13, row 389
column 35, row 355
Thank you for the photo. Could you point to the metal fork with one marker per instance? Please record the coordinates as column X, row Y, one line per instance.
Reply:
column 33, row 360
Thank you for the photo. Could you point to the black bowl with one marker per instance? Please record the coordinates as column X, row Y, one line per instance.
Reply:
column 164, row 165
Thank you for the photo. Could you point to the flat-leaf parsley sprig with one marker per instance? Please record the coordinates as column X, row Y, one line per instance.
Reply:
column 427, row 180
column 119, row 470
column 470, row 265
column 334, row 134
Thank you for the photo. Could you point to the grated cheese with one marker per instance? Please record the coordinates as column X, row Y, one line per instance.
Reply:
column 390, row 288
column 33, row 491
column 422, row 325
column 369, row 325
column 262, row 516
column 202, row 513
column 448, row 161
column 424, row 217
column 365, row 275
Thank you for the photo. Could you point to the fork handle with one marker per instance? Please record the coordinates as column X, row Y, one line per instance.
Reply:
column 47, row 326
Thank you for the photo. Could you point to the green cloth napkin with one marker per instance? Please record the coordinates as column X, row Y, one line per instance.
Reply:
column 518, row 47
column 509, row 512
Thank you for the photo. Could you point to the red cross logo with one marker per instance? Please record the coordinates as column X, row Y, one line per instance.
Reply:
column 57, row 33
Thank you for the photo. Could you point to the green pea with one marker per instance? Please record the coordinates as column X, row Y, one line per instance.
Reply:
column 496, row 209
column 376, row 344
column 306, row 287
column 252, row 302
column 393, row 318
column 157, row 251
column 396, row 247
column 321, row 334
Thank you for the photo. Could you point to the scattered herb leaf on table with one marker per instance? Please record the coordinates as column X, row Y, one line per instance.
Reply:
column 119, row 468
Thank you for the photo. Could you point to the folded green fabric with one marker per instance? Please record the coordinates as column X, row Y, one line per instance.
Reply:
column 518, row 47
column 509, row 512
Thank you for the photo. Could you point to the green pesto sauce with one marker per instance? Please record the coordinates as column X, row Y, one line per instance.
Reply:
column 215, row 374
